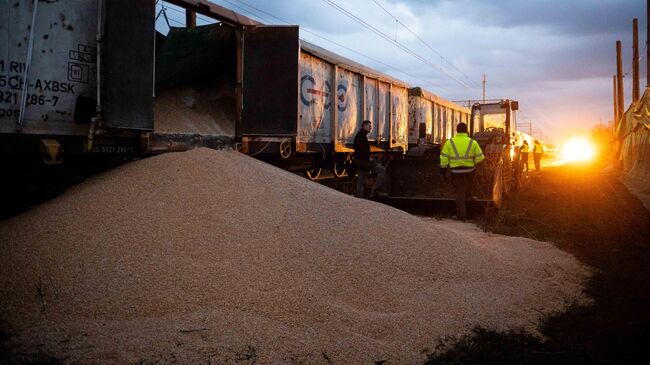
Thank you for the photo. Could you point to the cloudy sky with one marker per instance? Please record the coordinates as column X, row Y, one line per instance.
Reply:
column 556, row 57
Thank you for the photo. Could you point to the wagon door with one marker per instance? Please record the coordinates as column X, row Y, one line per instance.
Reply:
column 128, row 70
column 270, row 84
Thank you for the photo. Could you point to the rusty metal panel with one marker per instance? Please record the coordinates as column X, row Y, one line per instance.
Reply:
column 370, row 104
column 399, row 114
column 348, row 103
column 349, row 64
column 316, row 96
column 270, row 84
column 447, row 120
column 382, row 123
column 128, row 51
column 418, row 91
column 420, row 111
column 61, row 77
column 437, row 125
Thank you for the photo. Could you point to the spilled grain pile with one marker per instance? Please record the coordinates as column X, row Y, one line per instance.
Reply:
column 213, row 256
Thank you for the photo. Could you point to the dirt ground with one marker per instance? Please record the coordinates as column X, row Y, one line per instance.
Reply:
column 590, row 214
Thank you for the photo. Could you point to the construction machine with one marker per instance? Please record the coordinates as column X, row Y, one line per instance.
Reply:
column 418, row 177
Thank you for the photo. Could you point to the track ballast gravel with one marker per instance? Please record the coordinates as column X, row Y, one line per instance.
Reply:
column 212, row 256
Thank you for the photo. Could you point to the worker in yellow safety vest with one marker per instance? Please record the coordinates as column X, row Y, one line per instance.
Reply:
column 461, row 165
column 538, row 151
column 523, row 155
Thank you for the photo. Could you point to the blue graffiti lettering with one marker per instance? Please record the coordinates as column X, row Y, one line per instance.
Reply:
column 342, row 97
column 302, row 89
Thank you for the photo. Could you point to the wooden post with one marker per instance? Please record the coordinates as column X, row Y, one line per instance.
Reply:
column 647, row 44
column 619, row 83
column 635, row 61
column 615, row 104
column 190, row 18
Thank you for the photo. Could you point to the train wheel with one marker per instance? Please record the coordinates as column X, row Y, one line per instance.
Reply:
column 339, row 168
column 286, row 149
column 314, row 173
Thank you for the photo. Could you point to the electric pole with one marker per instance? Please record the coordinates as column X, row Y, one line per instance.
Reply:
column 484, row 81
column 619, row 83
column 635, row 60
column 615, row 104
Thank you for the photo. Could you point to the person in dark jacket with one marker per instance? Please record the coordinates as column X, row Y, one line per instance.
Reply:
column 364, row 164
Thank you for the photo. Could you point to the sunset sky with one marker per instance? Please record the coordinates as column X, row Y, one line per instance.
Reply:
column 556, row 57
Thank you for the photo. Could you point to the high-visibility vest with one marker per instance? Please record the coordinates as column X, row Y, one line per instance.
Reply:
column 451, row 153
column 524, row 148
column 538, row 148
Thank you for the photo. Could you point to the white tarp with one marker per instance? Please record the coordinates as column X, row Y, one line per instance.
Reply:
column 634, row 134
column 634, row 138
column 316, row 95
column 348, row 97
column 399, row 126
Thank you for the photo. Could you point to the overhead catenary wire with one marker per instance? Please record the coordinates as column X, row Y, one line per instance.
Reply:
column 393, row 42
column 391, row 67
column 249, row 13
column 397, row 21
column 267, row 20
column 200, row 17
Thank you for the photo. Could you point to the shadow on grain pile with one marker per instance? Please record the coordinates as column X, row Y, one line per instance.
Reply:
column 212, row 256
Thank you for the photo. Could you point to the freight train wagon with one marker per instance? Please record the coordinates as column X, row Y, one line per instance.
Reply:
column 93, row 77
column 432, row 120
column 334, row 95
column 321, row 108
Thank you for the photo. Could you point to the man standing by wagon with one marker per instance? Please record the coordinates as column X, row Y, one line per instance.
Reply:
column 461, row 155
column 364, row 164
column 523, row 154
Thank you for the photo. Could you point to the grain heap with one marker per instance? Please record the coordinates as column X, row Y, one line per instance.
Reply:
column 214, row 256
column 186, row 110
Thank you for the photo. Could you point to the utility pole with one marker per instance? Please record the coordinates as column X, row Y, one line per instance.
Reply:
column 635, row 60
column 619, row 83
column 485, row 80
column 615, row 105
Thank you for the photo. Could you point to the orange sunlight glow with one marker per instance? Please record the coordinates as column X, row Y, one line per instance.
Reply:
column 578, row 149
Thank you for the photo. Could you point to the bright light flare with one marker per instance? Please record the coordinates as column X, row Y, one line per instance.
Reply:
column 578, row 149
